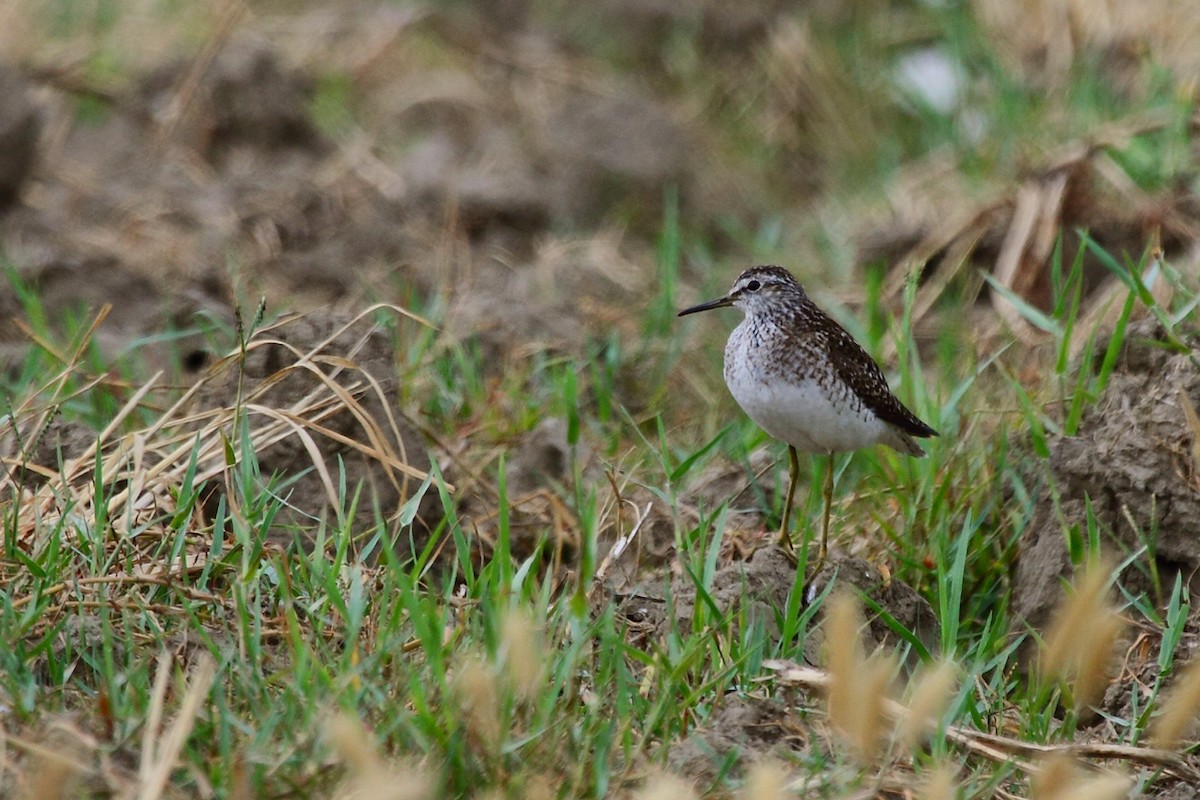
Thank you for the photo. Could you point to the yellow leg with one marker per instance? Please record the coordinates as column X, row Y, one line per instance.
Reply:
column 785, row 539
column 823, row 548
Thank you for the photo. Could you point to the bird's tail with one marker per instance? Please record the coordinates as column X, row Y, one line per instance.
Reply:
column 903, row 442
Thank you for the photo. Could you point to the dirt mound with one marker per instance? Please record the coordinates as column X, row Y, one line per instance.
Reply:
column 1133, row 467
column 246, row 99
column 758, row 589
column 749, row 727
column 900, row 601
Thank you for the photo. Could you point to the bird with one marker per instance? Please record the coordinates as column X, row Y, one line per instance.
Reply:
column 802, row 378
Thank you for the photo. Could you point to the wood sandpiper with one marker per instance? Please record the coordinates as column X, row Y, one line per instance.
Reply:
column 804, row 380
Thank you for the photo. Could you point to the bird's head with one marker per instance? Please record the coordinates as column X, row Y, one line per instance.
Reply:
column 756, row 290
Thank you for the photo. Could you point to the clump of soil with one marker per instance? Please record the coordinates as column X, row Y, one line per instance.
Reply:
column 901, row 602
column 759, row 588
column 147, row 206
column 537, row 465
column 19, row 130
column 752, row 727
column 1133, row 464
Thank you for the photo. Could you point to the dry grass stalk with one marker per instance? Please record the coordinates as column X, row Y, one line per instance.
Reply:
column 160, row 750
column 843, row 655
column 766, row 780
column 939, row 784
column 1094, row 661
column 1080, row 640
column 1179, row 708
column 1006, row 749
column 540, row 787
column 53, row 778
column 857, row 684
column 477, row 690
column 1056, row 774
column 931, row 693
column 368, row 777
column 57, row 764
column 524, row 654
column 666, row 787
column 352, row 743
column 1027, row 246
column 1061, row 778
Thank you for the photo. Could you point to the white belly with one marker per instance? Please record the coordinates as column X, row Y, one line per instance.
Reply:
column 805, row 416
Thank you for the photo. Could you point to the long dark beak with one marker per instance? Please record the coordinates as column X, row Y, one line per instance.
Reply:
column 720, row 303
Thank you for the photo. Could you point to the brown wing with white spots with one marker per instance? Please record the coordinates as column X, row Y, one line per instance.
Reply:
column 866, row 379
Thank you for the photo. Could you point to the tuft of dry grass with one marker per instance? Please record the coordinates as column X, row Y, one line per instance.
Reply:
column 857, row 683
column 939, row 784
column 931, row 692
column 1080, row 640
column 1179, row 708
column 666, row 787
column 54, row 777
column 161, row 748
column 1061, row 778
column 368, row 776
column 766, row 780
column 524, row 653
column 477, row 690
column 182, row 441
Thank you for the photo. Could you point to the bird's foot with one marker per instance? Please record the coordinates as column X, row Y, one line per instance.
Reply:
column 819, row 564
column 784, row 541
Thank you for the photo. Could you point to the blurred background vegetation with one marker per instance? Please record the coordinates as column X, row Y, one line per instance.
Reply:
column 997, row 197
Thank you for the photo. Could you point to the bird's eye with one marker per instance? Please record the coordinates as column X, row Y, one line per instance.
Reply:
column 753, row 286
